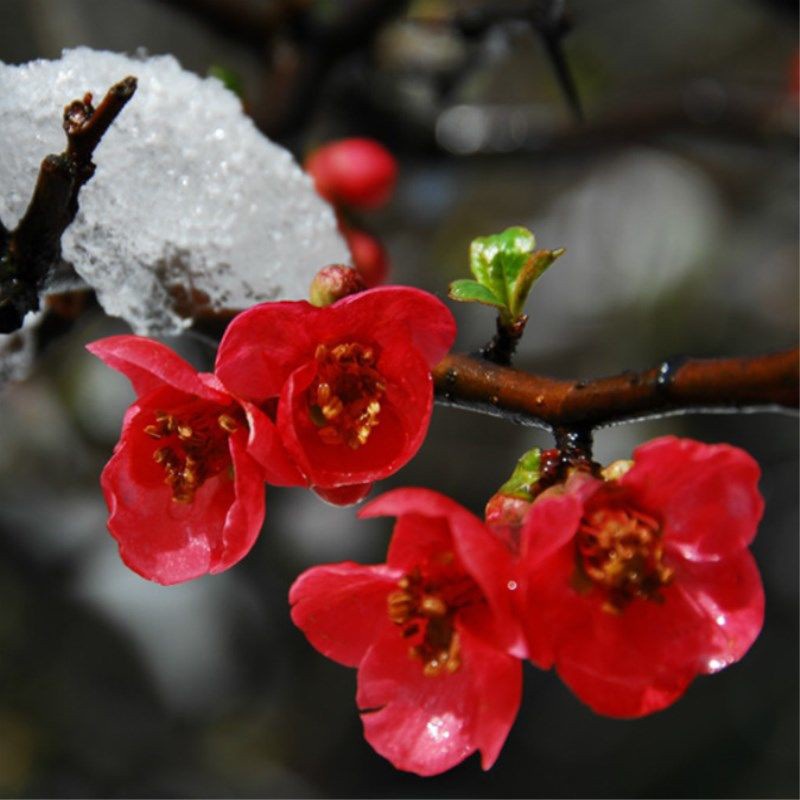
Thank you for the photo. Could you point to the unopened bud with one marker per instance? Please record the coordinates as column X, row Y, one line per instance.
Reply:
column 505, row 515
column 369, row 256
column 360, row 173
column 334, row 282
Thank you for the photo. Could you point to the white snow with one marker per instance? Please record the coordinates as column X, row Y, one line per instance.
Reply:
column 189, row 200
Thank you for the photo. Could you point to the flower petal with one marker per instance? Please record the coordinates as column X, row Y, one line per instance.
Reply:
column 706, row 496
column 729, row 596
column 265, row 446
column 622, row 665
column 264, row 345
column 385, row 312
column 344, row 495
column 551, row 523
column 341, row 607
column 390, row 445
column 149, row 365
column 427, row 725
column 430, row 525
column 246, row 515
column 641, row 659
column 162, row 540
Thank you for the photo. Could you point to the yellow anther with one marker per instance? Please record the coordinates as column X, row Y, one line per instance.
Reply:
column 323, row 393
column 432, row 606
column 184, row 432
column 154, row 431
column 228, row 424
column 400, row 605
column 332, row 408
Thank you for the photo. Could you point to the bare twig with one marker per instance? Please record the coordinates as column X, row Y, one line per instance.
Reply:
column 761, row 383
column 33, row 248
column 299, row 48
column 550, row 20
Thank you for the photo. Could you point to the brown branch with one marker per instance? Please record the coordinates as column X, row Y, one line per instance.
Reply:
column 760, row 383
column 33, row 248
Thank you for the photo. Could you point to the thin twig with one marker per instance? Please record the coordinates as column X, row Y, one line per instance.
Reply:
column 760, row 383
column 33, row 248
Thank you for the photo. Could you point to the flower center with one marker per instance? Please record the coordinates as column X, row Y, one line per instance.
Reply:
column 620, row 550
column 426, row 609
column 193, row 445
column 344, row 400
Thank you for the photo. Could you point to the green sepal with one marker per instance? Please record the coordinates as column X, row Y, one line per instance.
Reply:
column 525, row 475
column 468, row 291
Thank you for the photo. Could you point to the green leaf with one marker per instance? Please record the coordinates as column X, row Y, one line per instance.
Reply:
column 526, row 473
column 531, row 271
column 230, row 79
column 467, row 291
column 497, row 260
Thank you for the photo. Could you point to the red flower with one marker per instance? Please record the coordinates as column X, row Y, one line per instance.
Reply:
column 352, row 380
column 355, row 172
column 634, row 586
column 185, row 484
column 369, row 256
column 429, row 632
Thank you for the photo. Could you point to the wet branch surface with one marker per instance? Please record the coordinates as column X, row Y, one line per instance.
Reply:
column 678, row 386
column 33, row 248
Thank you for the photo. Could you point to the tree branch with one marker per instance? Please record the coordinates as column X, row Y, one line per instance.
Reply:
column 33, row 248
column 679, row 386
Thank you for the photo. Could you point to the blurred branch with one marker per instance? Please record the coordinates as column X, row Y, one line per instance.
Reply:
column 680, row 386
column 299, row 47
column 33, row 248
column 551, row 21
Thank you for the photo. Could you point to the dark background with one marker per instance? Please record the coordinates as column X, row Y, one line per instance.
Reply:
column 677, row 203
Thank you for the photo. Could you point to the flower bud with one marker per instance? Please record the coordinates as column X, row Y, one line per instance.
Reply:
column 505, row 515
column 334, row 282
column 360, row 173
column 369, row 256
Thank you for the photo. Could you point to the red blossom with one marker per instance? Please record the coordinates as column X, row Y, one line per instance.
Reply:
column 429, row 631
column 634, row 586
column 360, row 173
column 184, row 487
column 352, row 380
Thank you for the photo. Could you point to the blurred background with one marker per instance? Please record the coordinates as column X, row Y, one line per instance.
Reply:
column 657, row 141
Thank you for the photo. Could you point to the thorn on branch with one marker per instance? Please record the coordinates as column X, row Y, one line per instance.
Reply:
column 33, row 248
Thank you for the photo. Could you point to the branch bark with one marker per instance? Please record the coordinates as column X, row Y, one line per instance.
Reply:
column 33, row 248
column 760, row 383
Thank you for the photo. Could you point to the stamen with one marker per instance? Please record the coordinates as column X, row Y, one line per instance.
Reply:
column 426, row 609
column 344, row 403
column 620, row 551
column 227, row 423
column 194, row 447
